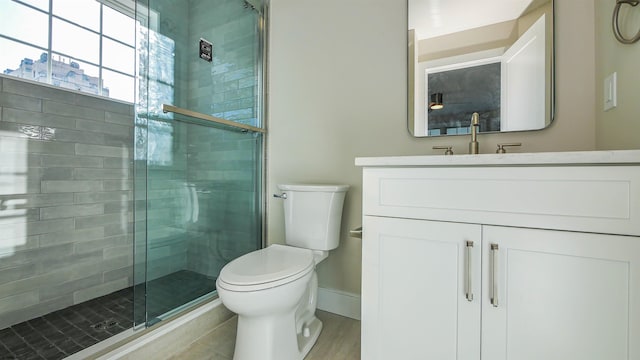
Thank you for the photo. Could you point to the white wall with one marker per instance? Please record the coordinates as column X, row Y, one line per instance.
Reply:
column 617, row 128
column 337, row 90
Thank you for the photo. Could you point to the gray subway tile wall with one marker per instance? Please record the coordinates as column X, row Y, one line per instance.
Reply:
column 65, row 198
column 222, row 164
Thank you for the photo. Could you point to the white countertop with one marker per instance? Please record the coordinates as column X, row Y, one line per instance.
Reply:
column 612, row 157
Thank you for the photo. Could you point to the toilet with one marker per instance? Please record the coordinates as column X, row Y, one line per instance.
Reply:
column 274, row 290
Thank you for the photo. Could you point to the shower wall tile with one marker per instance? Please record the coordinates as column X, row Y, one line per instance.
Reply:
column 117, row 251
column 117, row 185
column 110, row 106
column 78, row 112
column 18, row 230
column 66, row 198
column 227, row 87
column 74, row 161
column 71, row 186
column 13, row 101
column 70, row 211
column 37, row 118
column 99, row 290
column 224, row 166
column 76, row 136
column 102, row 127
column 23, row 257
column 121, row 273
column 88, row 245
column 100, row 197
column 123, row 207
column 118, row 229
column 118, row 263
column 93, row 174
column 21, row 147
column 72, row 236
column 37, row 91
column 118, row 141
column 101, row 150
column 15, row 302
column 87, row 222
column 67, row 263
column 116, row 163
column 17, row 273
column 119, row 118
column 68, row 287
column 42, row 308
column 54, row 173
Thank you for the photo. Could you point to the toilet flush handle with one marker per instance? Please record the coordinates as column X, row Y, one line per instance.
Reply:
column 282, row 196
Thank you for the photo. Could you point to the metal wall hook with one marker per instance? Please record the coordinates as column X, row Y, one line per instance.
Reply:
column 616, row 24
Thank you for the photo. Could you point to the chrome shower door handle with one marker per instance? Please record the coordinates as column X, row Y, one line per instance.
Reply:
column 494, row 275
column 282, row 196
column 468, row 285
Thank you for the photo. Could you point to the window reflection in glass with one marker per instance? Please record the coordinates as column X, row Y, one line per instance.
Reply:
column 40, row 4
column 119, row 86
column 22, row 61
column 75, row 41
column 74, row 74
column 72, row 59
column 118, row 26
column 82, row 12
column 23, row 23
column 117, row 56
column 160, row 150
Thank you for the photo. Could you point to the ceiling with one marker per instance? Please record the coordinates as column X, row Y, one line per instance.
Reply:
column 431, row 18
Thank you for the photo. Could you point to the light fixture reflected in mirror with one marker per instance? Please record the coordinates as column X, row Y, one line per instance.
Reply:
column 436, row 102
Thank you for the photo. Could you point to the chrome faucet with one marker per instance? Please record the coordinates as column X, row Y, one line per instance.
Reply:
column 475, row 123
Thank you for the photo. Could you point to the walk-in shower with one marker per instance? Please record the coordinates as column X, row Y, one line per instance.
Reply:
column 122, row 199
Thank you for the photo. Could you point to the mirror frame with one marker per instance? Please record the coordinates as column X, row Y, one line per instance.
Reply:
column 412, row 47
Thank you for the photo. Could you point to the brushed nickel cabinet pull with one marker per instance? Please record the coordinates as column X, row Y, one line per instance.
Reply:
column 494, row 275
column 468, row 286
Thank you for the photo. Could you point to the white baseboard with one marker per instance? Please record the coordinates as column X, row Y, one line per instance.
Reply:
column 339, row 302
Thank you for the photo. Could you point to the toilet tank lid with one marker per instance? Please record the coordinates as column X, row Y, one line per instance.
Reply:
column 313, row 187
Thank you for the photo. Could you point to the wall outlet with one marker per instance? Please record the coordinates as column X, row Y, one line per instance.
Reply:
column 610, row 92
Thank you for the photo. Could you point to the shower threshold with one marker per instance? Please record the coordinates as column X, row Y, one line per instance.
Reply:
column 73, row 329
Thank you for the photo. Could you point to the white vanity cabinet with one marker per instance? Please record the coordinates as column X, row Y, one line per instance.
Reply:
column 538, row 259
column 560, row 295
column 413, row 290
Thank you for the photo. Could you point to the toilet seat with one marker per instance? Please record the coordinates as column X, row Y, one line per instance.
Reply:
column 266, row 268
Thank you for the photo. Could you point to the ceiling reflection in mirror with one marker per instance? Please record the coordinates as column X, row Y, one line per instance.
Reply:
column 493, row 57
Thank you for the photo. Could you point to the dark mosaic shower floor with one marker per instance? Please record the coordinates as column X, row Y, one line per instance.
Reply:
column 67, row 331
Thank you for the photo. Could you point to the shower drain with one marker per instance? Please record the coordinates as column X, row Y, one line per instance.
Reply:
column 105, row 325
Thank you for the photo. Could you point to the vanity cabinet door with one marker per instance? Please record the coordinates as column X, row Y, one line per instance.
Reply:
column 414, row 284
column 560, row 295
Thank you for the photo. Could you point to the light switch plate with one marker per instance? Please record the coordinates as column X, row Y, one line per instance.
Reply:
column 610, row 92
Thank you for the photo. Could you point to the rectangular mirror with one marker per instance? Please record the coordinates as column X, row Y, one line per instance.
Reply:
column 493, row 57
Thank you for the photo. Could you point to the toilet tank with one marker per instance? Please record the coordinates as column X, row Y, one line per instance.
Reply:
column 312, row 215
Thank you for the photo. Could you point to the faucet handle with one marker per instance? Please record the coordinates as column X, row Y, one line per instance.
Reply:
column 501, row 147
column 447, row 148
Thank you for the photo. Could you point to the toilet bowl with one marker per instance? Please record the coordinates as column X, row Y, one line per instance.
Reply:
column 267, row 305
column 274, row 290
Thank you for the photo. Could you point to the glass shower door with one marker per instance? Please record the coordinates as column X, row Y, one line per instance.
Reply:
column 202, row 212
column 197, row 183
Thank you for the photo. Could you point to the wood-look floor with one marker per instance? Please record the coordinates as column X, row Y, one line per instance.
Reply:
column 339, row 340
